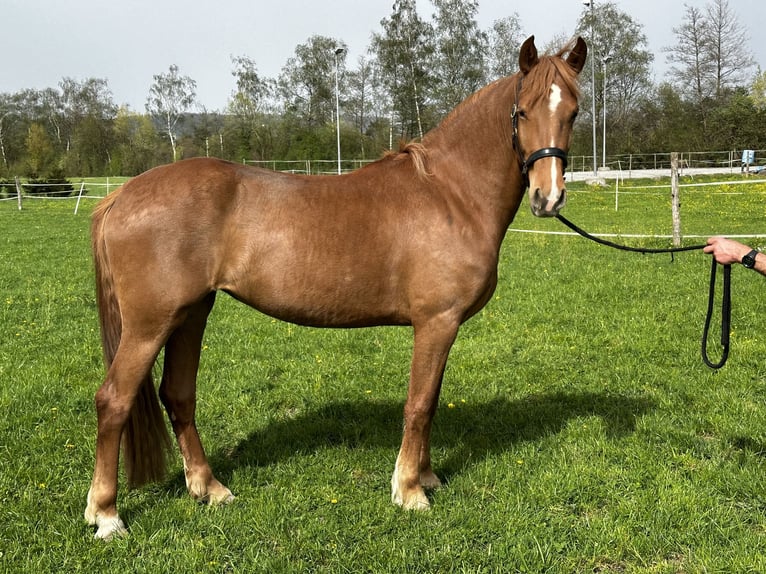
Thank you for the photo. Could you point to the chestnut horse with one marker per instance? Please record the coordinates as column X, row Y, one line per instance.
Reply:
column 412, row 239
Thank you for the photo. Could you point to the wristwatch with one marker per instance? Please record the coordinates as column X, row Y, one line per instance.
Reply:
column 748, row 261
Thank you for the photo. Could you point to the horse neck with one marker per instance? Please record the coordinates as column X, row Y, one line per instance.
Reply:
column 474, row 143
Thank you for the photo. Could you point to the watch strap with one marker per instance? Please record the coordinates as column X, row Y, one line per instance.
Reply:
column 748, row 261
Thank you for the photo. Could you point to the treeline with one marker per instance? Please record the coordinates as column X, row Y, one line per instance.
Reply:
column 415, row 71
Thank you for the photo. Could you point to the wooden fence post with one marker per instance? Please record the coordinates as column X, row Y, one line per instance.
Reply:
column 675, row 199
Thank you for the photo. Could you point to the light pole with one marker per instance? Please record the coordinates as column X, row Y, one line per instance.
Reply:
column 603, row 141
column 338, row 52
column 592, row 85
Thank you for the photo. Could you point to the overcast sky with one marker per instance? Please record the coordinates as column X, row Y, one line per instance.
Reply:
column 127, row 42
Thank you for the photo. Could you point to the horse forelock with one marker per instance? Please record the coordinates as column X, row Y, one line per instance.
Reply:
column 550, row 70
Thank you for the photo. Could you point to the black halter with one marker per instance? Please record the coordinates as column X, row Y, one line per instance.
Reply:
column 534, row 156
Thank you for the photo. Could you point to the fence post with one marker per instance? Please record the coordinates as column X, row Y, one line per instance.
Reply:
column 79, row 197
column 18, row 191
column 675, row 199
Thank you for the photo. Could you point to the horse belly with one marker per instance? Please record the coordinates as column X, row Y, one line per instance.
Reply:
column 318, row 290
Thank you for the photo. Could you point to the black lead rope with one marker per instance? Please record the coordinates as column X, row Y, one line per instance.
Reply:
column 725, row 316
column 725, row 301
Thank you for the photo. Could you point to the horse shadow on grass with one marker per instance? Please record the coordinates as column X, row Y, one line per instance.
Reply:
column 467, row 432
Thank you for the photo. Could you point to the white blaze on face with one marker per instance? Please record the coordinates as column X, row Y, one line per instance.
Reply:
column 553, row 103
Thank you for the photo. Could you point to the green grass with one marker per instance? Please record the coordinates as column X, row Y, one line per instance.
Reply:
column 578, row 430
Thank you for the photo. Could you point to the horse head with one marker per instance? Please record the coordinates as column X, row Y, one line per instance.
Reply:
column 543, row 115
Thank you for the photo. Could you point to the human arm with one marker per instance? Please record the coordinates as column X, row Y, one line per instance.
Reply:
column 727, row 251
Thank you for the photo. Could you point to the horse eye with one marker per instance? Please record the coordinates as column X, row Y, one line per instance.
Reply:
column 522, row 114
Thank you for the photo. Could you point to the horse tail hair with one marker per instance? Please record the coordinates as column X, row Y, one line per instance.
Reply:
column 145, row 438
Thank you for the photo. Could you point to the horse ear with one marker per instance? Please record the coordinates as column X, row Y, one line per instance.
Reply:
column 576, row 58
column 528, row 55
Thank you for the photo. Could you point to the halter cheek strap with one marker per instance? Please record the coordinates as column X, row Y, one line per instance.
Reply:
column 534, row 156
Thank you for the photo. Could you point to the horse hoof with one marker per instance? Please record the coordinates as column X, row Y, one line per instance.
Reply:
column 218, row 494
column 430, row 481
column 212, row 493
column 108, row 528
column 417, row 500
column 222, row 499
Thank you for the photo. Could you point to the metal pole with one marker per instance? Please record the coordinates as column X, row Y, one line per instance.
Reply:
column 593, row 84
column 338, row 52
column 603, row 142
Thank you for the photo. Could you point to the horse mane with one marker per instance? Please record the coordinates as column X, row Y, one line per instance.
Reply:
column 537, row 83
column 416, row 152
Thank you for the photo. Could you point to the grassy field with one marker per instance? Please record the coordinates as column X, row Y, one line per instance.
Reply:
column 578, row 430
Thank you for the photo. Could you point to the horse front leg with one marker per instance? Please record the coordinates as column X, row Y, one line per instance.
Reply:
column 413, row 471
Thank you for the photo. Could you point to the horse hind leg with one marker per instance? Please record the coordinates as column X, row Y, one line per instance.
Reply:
column 128, row 376
column 178, row 393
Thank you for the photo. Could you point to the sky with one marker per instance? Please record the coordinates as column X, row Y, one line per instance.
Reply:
column 127, row 42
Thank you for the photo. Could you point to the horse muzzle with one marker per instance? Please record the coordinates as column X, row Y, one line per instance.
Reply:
column 547, row 206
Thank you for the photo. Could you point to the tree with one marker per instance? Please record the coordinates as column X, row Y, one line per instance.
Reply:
column 726, row 128
column 728, row 45
column 90, row 98
column 758, row 90
column 692, row 68
column 404, row 50
column 361, row 92
column 40, row 152
column 136, row 142
column 621, row 39
column 83, row 116
column 307, row 81
column 666, row 122
column 460, row 56
column 505, row 38
column 170, row 96
column 247, row 105
column 8, row 111
column 710, row 53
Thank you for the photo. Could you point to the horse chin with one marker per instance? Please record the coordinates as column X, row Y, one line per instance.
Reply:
column 545, row 206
